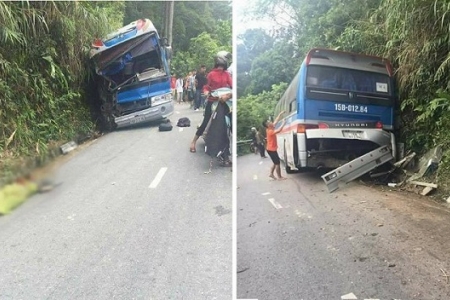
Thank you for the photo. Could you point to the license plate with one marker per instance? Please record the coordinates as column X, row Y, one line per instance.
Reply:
column 137, row 120
column 353, row 134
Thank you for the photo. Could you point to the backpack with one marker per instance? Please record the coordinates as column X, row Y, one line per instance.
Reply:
column 165, row 126
column 184, row 122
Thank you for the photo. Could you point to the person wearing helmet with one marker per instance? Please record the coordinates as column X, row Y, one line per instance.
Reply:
column 217, row 78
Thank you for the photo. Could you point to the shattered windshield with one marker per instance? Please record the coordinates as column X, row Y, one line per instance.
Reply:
column 132, row 61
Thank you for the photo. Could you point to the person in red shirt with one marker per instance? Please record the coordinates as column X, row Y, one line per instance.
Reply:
column 271, row 136
column 216, row 78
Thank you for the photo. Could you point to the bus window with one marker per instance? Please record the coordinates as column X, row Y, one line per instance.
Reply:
column 347, row 79
column 293, row 105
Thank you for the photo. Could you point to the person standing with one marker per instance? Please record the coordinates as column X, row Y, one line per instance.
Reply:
column 254, row 143
column 260, row 143
column 217, row 78
column 200, row 81
column 173, row 85
column 179, row 88
column 191, row 88
column 272, row 146
column 185, row 87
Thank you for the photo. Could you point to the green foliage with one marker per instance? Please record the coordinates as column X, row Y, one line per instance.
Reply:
column 251, row 44
column 190, row 19
column 272, row 67
column 252, row 110
column 43, row 59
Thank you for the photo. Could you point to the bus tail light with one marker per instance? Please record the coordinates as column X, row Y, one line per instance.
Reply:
column 323, row 126
column 379, row 125
column 301, row 128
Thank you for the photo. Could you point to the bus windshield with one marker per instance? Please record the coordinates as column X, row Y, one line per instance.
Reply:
column 327, row 77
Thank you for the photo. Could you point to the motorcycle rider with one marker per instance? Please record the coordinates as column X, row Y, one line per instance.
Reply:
column 217, row 78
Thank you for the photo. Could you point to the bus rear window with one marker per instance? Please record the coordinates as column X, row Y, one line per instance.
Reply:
column 347, row 79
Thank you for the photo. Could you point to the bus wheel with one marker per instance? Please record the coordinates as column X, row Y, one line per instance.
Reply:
column 108, row 123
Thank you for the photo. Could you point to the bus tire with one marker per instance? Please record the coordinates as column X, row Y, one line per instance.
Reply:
column 107, row 123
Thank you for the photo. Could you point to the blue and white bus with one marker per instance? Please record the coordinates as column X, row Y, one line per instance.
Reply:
column 339, row 106
column 134, row 75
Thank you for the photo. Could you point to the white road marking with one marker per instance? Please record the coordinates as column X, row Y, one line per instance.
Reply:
column 260, row 162
column 275, row 203
column 255, row 177
column 158, row 178
column 350, row 296
column 265, row 194
column 177, row 112
column 180, row 129
column 371, row 299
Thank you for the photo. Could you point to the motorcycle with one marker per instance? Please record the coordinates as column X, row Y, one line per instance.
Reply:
column 217, row 134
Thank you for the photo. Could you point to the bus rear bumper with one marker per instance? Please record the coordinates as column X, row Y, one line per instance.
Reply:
column 378, row 136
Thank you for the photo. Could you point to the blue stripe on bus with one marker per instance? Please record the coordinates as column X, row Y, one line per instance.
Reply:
column 337, row 116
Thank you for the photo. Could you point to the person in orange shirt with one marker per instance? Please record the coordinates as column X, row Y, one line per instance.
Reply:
column 271, row 136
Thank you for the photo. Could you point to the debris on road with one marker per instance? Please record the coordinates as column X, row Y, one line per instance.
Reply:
column 408, row 173
column 350, row 296
column 428, row 164
column 445, row 275
column 68, row 147
column 357, row 167
column 243, row 270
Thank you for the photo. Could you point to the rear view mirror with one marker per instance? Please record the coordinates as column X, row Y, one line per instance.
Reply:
column 168, row 52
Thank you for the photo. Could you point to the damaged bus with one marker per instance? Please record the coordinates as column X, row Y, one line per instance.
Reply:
column 338, row 107
column 133, row 75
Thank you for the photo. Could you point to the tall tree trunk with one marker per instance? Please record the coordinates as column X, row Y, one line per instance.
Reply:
column 170, row 22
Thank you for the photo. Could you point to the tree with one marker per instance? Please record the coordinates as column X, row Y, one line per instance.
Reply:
column 273, row 67
column 251, row 44
column 252, row 110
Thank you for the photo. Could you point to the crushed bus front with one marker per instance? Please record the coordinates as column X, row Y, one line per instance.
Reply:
column 133, row 75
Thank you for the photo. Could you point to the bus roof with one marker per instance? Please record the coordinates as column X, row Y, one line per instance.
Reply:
column 122, row 35
column 348, row 60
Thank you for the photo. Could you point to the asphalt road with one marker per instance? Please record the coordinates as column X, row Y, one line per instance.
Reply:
column 135, row 217
column 297, row 241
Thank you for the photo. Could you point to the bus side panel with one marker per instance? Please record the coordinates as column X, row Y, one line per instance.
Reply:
column 285, row 146
column 301, row 115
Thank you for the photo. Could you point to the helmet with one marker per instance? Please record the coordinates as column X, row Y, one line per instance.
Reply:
column 222, row 58
column 253, row 129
